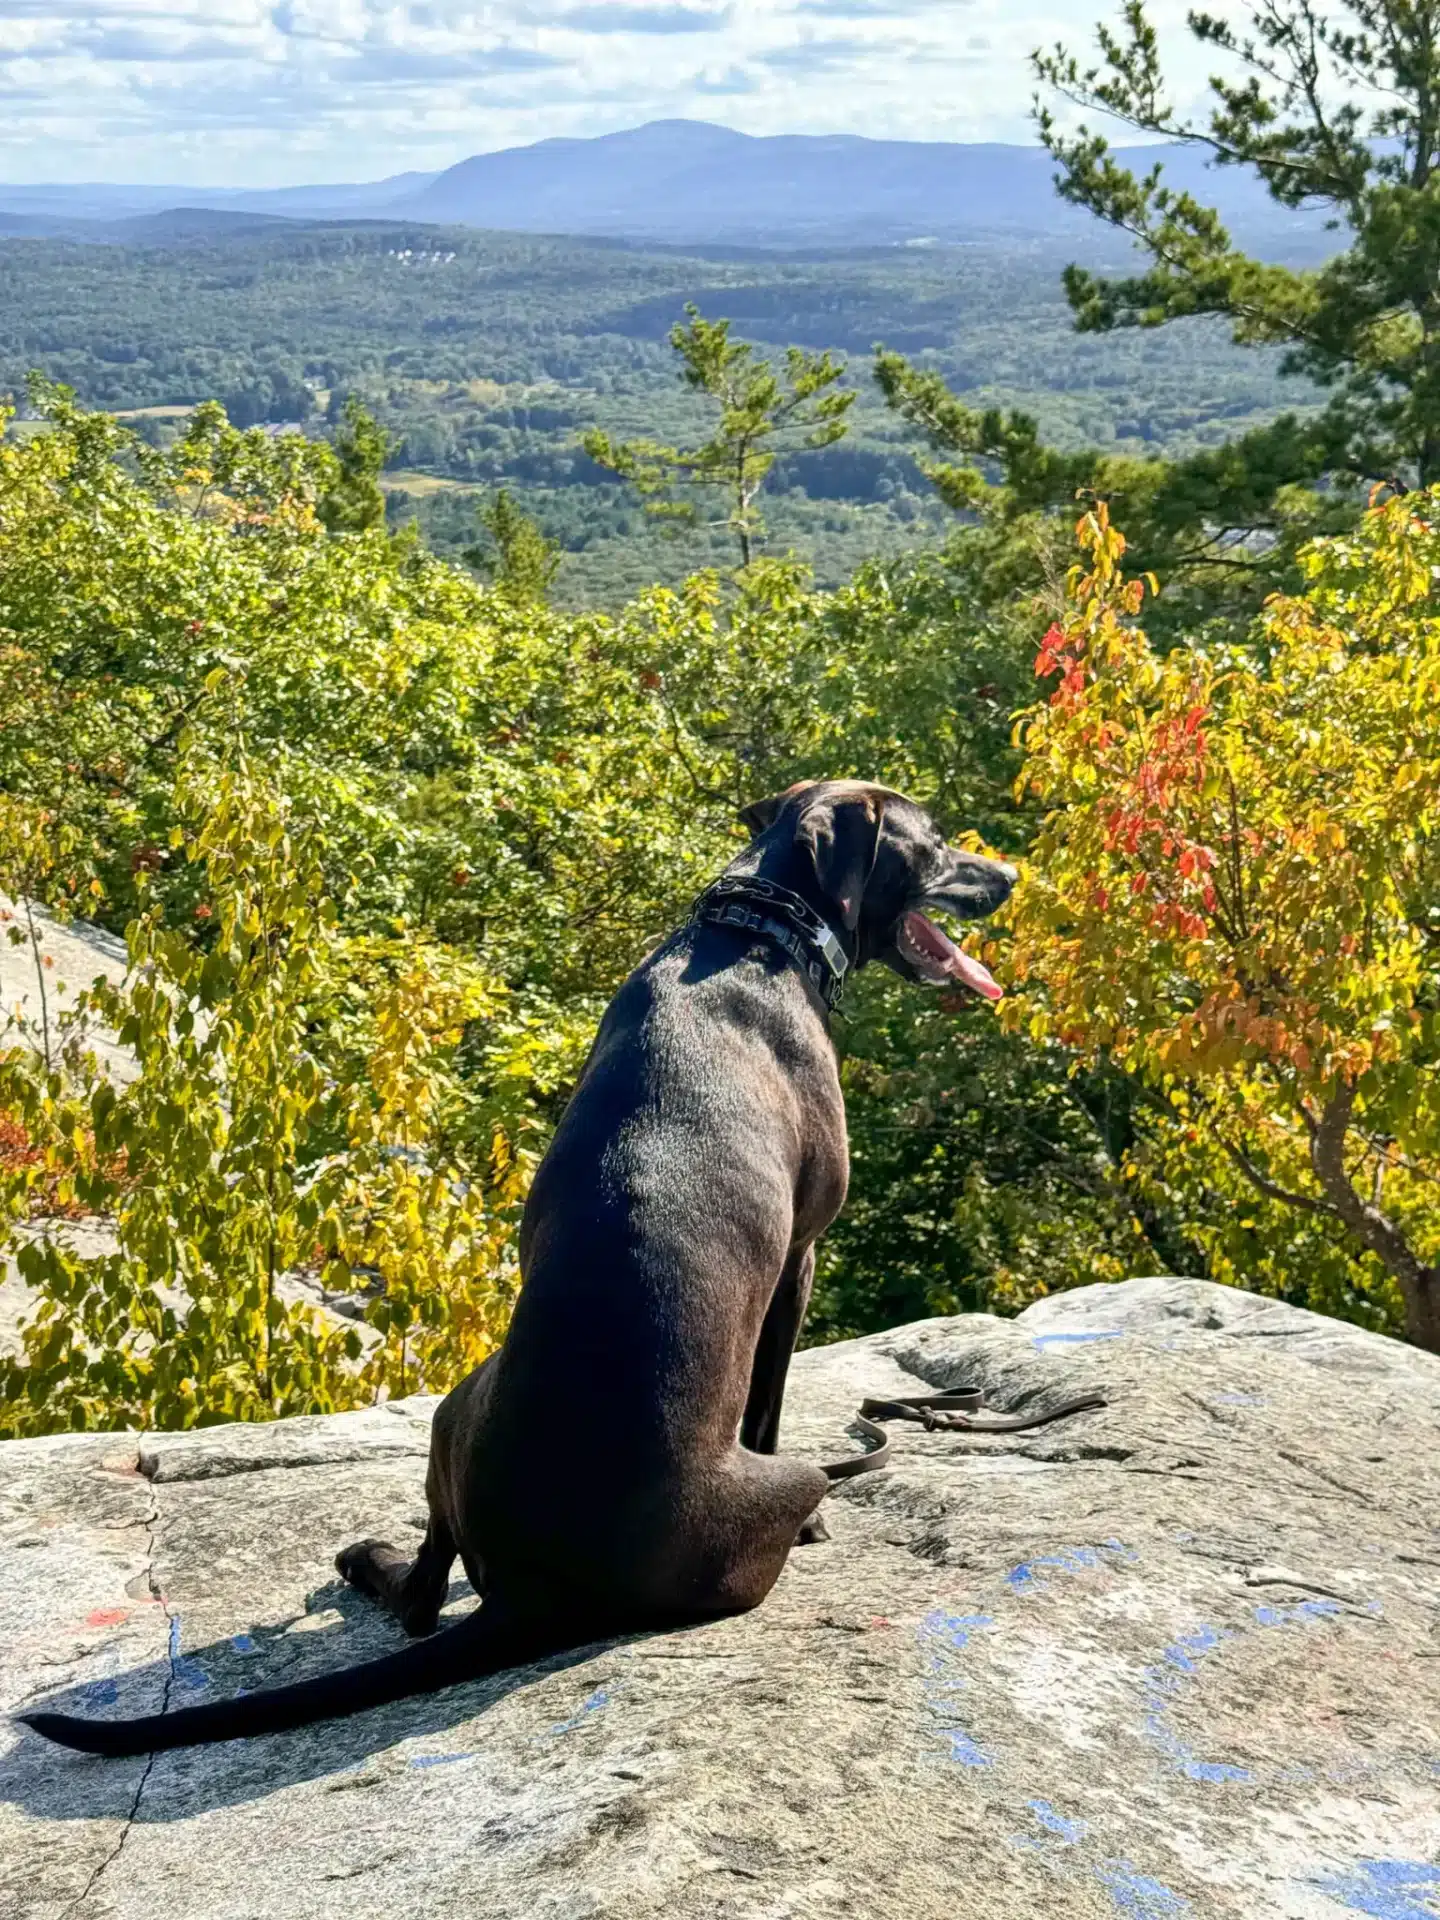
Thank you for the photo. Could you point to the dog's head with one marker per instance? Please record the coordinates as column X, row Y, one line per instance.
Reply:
column 879, row 861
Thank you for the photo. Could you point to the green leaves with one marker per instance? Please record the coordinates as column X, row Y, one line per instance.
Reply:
column 524, row 563
column 355, row 502
column 1334, row 111
column 756, row 412
column 276, row 1130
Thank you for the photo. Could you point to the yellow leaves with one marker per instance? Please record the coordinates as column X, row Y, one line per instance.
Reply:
column 296, row 1107
column 1237, row 854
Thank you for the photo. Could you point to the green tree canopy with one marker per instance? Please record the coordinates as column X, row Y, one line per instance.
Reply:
column 520, row 561
column 1336, row 108
column 759, row 413
column 1332, row 109
column 354, row 501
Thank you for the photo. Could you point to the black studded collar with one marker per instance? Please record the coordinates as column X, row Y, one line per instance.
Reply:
column 753, row 905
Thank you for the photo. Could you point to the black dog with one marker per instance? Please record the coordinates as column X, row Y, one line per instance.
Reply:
column 613, row 1466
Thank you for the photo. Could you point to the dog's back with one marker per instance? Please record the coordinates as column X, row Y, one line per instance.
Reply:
column 706, row 1131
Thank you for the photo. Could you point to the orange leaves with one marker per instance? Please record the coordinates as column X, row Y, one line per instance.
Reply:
column 1230, row 1028
column 1235, row 881
column 1051, row 647
column 1061, row 652
column 1169, row 917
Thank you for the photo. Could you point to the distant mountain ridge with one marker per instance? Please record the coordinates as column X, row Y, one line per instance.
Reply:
column 686, row 182
column 97, row 203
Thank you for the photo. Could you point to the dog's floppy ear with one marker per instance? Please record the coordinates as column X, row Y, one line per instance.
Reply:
column 843, row 836
column 761, row 814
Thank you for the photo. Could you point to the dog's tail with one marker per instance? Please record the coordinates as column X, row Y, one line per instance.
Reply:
column 484, row 1642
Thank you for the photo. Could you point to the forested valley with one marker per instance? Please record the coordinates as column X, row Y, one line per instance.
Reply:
column 394, row 622
column 485, row 357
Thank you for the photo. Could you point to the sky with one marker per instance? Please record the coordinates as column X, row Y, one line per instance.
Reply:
column 254, row 93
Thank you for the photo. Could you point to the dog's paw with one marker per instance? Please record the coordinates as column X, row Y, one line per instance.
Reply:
column 356, row 1563
column 813, row 1532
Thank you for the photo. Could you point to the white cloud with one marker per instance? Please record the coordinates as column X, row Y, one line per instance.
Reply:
column 268, row 92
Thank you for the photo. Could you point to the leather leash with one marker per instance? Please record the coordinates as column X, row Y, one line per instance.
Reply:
column 948, row 1412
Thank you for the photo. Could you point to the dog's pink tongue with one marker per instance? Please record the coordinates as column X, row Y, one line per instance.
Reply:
column 979, row 978
column 940, row 948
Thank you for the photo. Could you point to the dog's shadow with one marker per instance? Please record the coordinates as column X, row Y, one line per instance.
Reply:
column 54, row 1783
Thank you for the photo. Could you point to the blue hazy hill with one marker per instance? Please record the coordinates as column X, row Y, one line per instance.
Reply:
column 685, row 181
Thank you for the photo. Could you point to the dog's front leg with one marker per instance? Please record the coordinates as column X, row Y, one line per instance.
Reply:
column 760, row 1428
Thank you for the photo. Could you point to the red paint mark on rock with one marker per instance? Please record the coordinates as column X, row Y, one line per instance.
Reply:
column 879, row 1621
column 107, row 1616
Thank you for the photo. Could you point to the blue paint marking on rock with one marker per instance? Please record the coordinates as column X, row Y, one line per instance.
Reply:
column 943, row 1636
column 1164, row 1684
column 964, row 1749
column 1026, row 1579
column 1069, row 1831
column 955, row 1629
column 1309, row 1610
column 101, row 1693
column 1137, row 1895
column 184, row 1673
column 596, row 1703
column 1386, row 1889
column 1190, row 1647
column 1181, row 1659
column 422, row 1760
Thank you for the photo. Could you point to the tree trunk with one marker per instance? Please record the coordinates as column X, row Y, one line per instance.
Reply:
column 1419, row 1284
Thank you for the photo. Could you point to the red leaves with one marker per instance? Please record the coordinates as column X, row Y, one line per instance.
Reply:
column 1062, row 651
column 1048, row 658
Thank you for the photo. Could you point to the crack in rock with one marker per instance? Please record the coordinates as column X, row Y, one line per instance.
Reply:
column 151, row 1524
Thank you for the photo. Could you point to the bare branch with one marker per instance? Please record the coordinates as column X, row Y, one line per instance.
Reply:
column 1270, row 1188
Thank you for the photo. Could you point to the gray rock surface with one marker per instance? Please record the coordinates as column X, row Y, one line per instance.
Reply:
column 1181, row 1656
column 71, row 958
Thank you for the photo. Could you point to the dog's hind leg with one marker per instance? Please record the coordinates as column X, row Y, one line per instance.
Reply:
column 413, row 1590
column 754, row 1514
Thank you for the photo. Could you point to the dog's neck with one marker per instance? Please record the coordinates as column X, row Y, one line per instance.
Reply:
column 791, row 868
